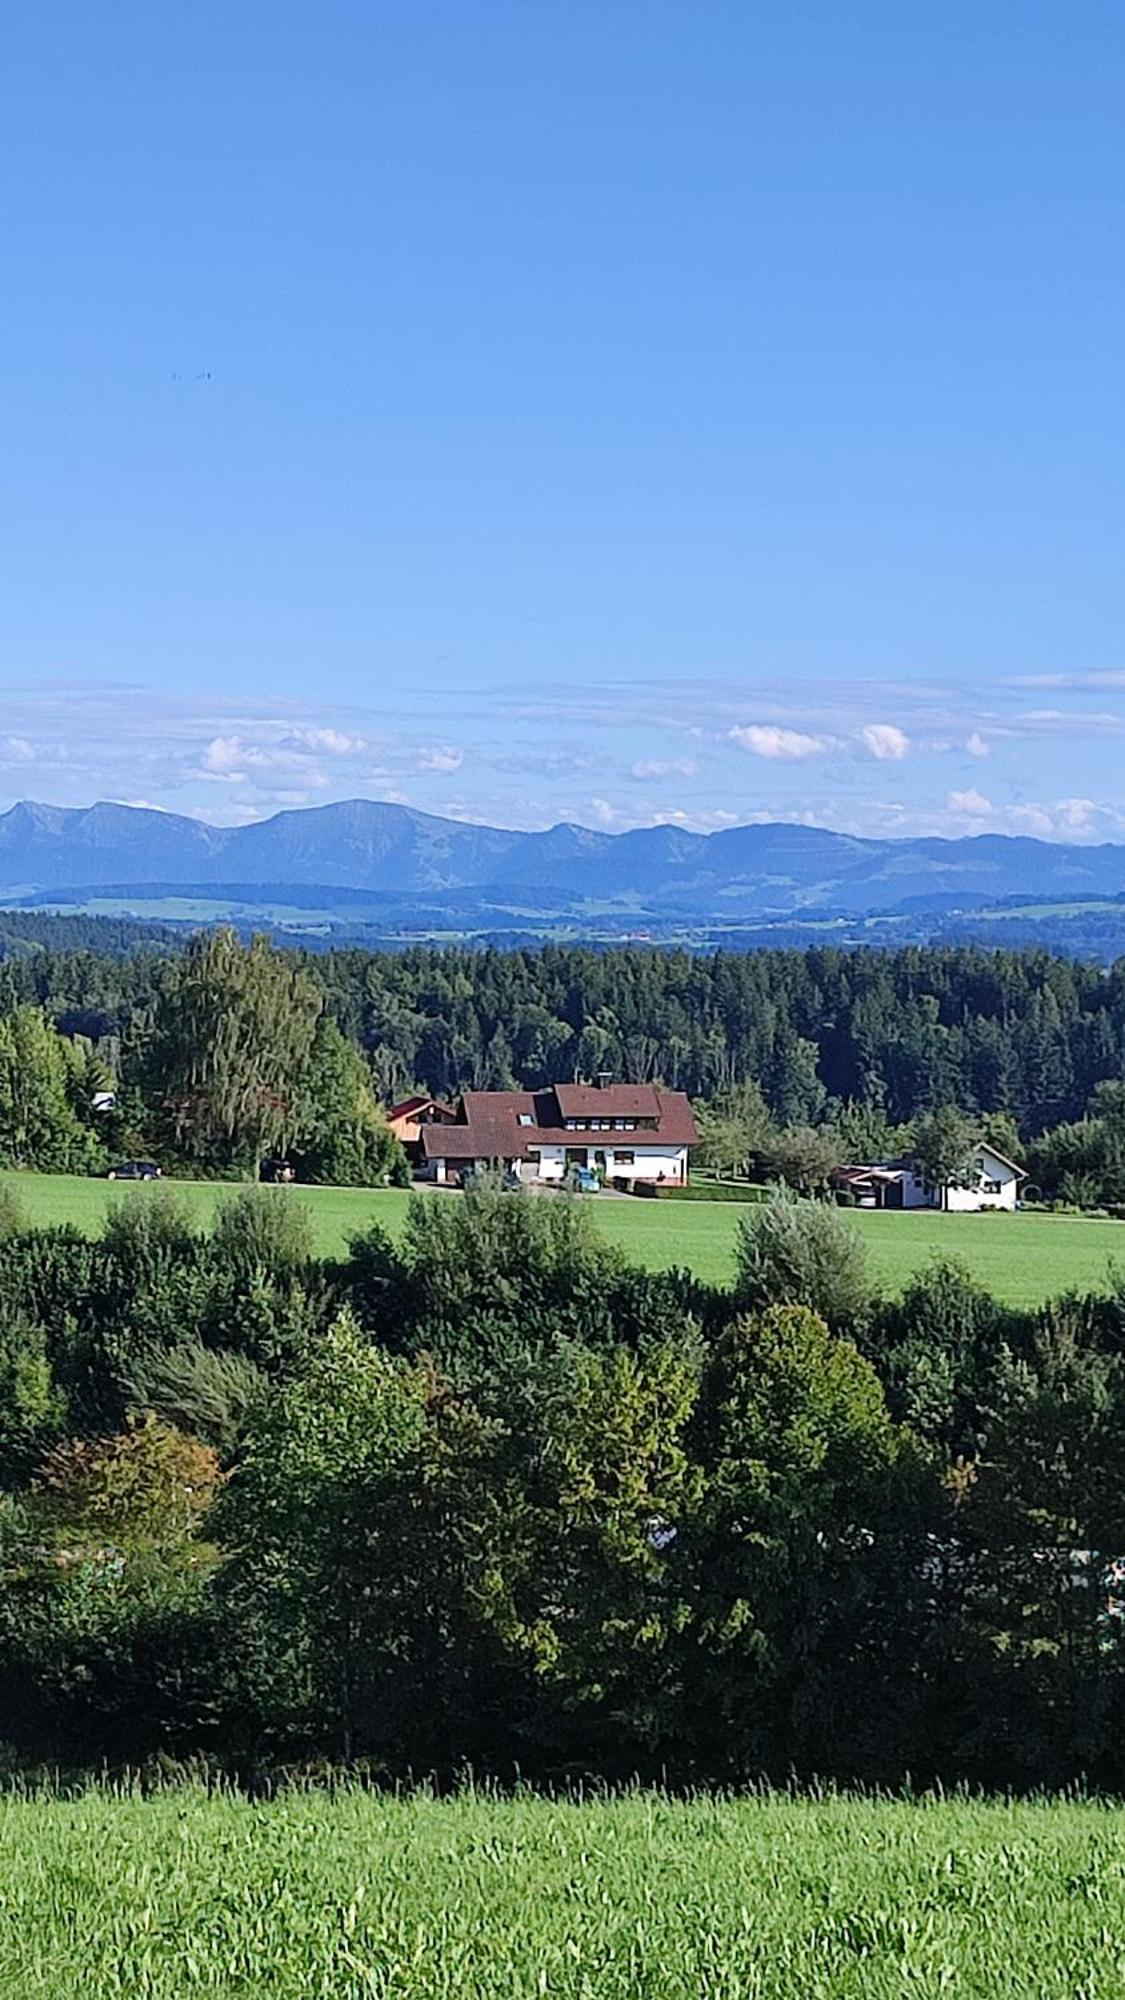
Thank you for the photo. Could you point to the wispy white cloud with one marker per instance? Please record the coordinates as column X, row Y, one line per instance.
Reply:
column 549, row 761
column 677, row 752
column 1077, row 683
column 229, row 760
column 972, row 811
column 694, row 819
column 224, row 756
column 664, row 767
column 324, row 742
column 780, row 745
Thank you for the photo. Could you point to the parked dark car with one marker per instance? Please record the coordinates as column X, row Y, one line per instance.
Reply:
column 133, row 1170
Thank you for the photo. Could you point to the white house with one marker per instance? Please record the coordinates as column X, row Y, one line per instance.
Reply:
column 894, row 1184
column 628, row 1132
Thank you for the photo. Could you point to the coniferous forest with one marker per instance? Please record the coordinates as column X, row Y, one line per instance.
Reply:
column 1021, row 1032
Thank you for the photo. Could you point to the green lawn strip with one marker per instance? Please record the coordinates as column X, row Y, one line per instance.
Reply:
column 1021, row 1258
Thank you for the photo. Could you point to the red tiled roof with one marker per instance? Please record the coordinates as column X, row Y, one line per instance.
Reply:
column 410, row 1105
column 610, row 1100
column 489, row 1127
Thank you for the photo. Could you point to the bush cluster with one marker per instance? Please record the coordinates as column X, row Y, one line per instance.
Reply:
column 489, row 1496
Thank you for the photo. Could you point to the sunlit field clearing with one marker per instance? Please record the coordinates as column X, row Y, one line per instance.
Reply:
column 1022, row 1258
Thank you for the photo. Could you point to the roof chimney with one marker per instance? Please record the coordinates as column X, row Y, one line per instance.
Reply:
column 604, row 1078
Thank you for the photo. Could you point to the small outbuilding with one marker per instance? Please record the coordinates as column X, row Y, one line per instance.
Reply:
column 895, row 1184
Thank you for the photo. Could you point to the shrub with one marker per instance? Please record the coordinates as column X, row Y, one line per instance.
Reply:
column 144, row 1228
column 204, row 1391
column 13, row 1215
column 263, row 1228
column 937, row 1348
column 802, row 1253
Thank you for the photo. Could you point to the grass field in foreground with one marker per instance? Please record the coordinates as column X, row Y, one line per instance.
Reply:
column 635, row 1898
column 1022, row 1258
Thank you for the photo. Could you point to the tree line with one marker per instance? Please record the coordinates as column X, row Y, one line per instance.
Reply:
column 230, row 1056
column 490, row 1497
column 902, row 1031
column 221, row 1052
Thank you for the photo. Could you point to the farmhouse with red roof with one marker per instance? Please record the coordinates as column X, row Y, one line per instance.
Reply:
column 629, row 1132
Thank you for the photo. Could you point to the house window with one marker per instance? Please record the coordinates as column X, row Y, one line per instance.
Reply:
column 992, row 1187
column 625, row 1156
column 525, row 1118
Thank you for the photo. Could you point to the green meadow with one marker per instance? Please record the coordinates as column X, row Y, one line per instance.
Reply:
column 630, row 1898
column 1022, row 1258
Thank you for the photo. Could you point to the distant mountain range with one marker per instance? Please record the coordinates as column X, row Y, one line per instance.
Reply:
column 744, row 874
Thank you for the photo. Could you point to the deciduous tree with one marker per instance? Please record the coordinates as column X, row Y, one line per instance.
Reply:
column 228, row 1054
column 944, row 1150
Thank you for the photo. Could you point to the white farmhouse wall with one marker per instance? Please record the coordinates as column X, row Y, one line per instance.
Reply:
column 915, row 1193
column 998, row 1188
column 647, row 1164
column 968, row 1200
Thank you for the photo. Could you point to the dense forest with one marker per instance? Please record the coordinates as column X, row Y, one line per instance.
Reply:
column 1019, row 1032
column 489, row 1498
column 220, row 1053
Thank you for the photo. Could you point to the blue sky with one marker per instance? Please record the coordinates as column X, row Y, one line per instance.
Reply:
column 612, row 412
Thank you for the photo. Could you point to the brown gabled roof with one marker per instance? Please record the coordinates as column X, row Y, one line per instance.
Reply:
column 489, row 1124
column 609, row 1100
column 465, row 1142
column 675, row 1121
column 410, row 1105
column 487, row 1129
